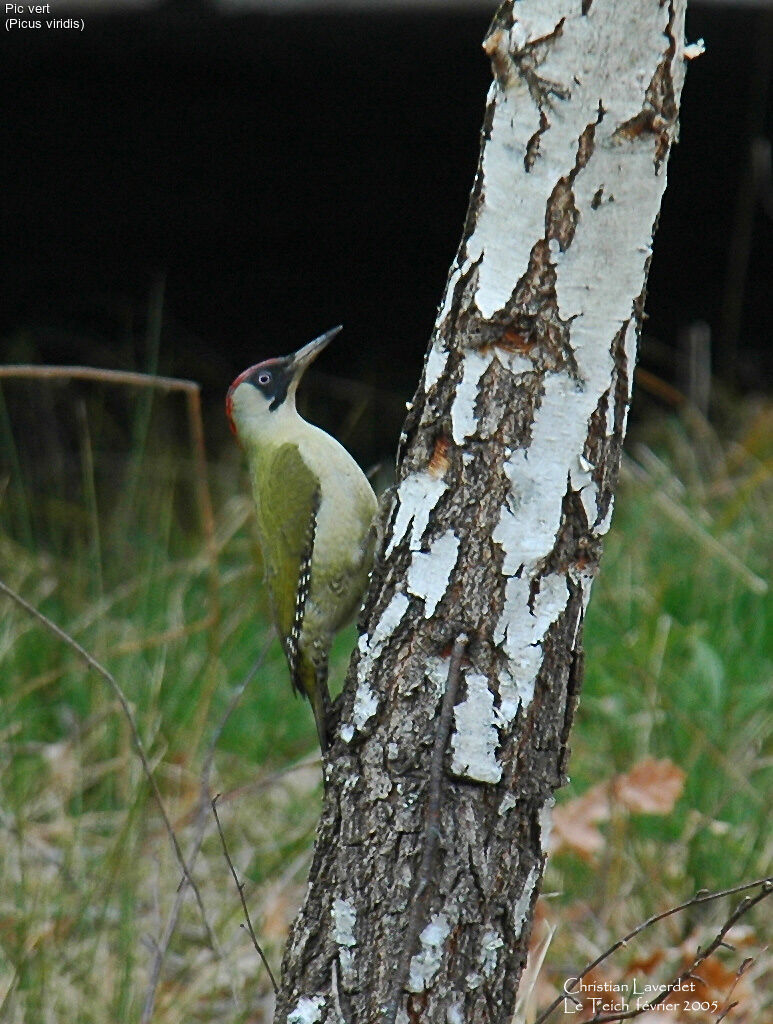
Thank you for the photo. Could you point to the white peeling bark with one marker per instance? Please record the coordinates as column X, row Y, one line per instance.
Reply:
column 506, row 473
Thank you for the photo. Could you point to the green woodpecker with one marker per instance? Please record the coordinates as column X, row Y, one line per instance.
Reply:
column 316, row 518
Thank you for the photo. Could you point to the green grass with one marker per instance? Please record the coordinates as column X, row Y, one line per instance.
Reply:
column 678, row 666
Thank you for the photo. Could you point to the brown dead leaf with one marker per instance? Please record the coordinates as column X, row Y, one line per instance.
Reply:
column 645, row 965
column 574, row 823
column 651, row 787
column 713, row 979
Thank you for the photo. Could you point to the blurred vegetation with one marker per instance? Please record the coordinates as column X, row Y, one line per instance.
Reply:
column 110, row 547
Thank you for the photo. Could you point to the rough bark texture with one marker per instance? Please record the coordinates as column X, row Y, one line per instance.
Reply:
column 506, row 474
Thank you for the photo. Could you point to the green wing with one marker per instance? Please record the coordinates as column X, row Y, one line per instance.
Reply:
column 289, row 502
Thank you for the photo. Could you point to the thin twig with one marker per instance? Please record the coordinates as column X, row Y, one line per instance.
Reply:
column 660, row 388
column 140, row 380
column 139, row 745
column 703, row 954
column 700, row 897
column 240, row 890
column 431, row 828
column 201, row 818
column 161, row 948
column 728, row 1007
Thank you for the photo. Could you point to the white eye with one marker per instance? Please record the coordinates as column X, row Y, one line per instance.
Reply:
column 264, row 378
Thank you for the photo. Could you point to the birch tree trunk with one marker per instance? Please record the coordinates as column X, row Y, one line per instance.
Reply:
column 423, row 882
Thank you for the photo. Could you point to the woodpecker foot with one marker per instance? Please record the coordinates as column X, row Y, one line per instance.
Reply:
column 321, row 705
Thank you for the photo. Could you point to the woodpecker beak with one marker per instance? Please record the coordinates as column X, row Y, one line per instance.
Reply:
column 306, row 355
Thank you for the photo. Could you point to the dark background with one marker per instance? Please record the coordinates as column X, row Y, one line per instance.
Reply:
column 266, row 177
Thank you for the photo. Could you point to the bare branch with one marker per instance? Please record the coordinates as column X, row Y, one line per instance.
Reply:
column 703, row 954
column 140, row 380
column 139, row 745
column 700, row 897
column 431, row 826
column 240, row 890
column 742, row 969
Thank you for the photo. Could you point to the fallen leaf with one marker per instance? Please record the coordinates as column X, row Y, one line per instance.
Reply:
column 573, row 823
column 645, row 965
column 651, row 787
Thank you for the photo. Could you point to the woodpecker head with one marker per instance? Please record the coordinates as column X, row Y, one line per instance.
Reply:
column 260, row 395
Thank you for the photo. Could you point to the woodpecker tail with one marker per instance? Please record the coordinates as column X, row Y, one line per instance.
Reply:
column 311, row 680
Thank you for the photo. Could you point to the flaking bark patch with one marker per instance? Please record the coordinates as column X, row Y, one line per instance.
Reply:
column 532, row 146
column 603, row 446
column 562, row 215
column 659, row 114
